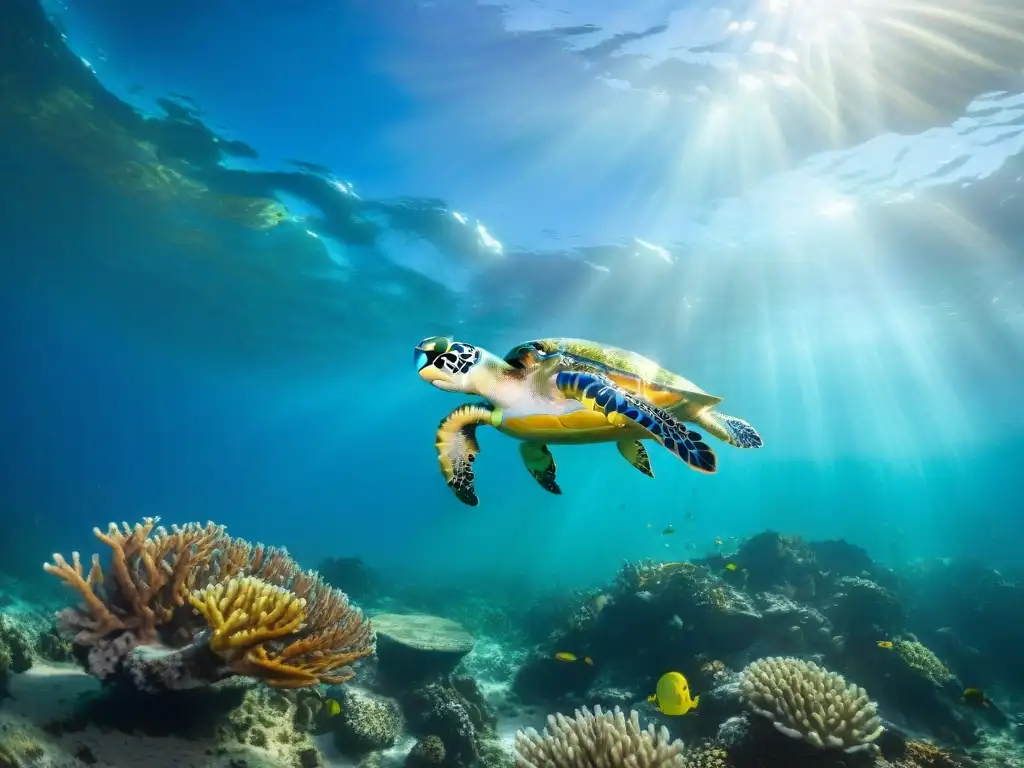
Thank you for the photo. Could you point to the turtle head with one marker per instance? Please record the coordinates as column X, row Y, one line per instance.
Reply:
column 446, row 363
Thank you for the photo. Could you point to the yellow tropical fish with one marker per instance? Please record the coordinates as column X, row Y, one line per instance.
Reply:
column 975, row 697
column 563, row 656
column 332, row 707
column 588, row 660
column 887, row 644
column 730, row 566
column 672, row 696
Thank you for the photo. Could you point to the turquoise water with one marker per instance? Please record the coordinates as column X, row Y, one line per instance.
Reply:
column 829, row 240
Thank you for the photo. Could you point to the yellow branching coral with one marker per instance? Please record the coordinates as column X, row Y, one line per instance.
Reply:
column 247, row 613
column 265, row 616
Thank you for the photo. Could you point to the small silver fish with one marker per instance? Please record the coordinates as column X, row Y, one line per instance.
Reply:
column 645, row 596
column 676, row 622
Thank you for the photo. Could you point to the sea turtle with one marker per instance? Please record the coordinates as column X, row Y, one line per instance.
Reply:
column 569, row 391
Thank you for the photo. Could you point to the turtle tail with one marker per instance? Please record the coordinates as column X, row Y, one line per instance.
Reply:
column 729, row 429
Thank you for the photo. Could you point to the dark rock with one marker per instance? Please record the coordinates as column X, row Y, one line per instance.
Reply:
column 862, row 608
column 542, row 679
column 427, row 753
column 440, row 710
column 842, row 558
column 778, row 563
column 763, row 745
column 608, row 698
column 351, row 576
column 476, row 705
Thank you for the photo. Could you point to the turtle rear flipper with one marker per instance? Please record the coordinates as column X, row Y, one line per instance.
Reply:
column 729, row 429
column 601, row 394
column 457, row 448
column 634, row 452
column 541, row 464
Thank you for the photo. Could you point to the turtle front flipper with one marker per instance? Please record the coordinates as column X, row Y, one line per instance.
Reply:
column 600, row 394
column 541, row 464
column 729, row 429
column 457, row 448
column 634, row 452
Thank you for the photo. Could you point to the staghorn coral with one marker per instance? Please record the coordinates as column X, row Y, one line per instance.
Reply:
column 186, row 607
column 805, row 701
column 598, row 740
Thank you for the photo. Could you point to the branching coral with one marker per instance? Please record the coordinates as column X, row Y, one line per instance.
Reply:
column 805, row 701
column 598, row 740
column 193, row 605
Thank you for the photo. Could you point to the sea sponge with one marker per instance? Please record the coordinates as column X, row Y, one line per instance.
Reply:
column 598, row 740
column 367, row 722
column 15, row 645
column 805, row 701
column 173, row 600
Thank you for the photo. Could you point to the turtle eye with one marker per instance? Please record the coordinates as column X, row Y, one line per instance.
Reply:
column 428, row 350
column 436, row 344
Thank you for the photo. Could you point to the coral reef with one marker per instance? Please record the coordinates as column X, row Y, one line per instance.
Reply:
column 789, row 615
column 598, row 740
column 191, row 606
column 805, row 701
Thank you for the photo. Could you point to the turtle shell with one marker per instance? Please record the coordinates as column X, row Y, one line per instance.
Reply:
column 634, row 371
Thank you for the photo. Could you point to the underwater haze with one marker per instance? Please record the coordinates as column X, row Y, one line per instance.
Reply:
column 226, row 227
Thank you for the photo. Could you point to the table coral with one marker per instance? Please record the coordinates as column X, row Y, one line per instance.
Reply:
column 190, row 606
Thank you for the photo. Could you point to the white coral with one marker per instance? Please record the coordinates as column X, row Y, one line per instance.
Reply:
column 805, row 701
column 598, row 740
